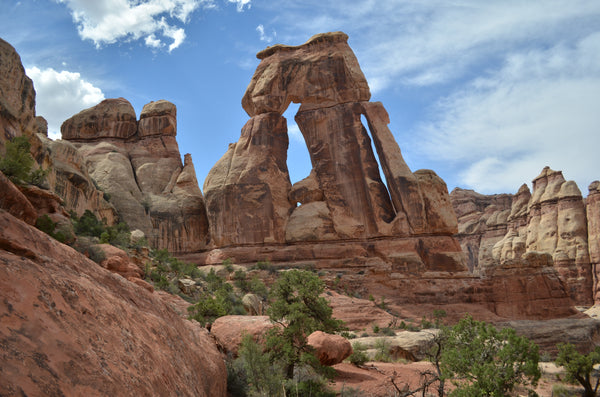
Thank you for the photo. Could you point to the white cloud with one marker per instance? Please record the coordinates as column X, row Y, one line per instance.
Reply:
column 263, row 36
column 240, row 4
column 422, row 43
column 107, row 21
column 539, row 109
column 60, row 95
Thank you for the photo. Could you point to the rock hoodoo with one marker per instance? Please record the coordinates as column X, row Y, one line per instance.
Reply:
column 554, row 219
column 139, row 166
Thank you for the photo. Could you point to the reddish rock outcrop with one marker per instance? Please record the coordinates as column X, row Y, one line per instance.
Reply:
column 230, row 330
column 70, row 327
column 329, row 349
column 554, row 219
column 138, row 165
column 15, row 202
column 344, row 196
column 17, row 96
column 593, row 218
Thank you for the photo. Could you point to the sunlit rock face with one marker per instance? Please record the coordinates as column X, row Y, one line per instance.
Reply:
column 139, row 166
column 553, row 219
column 345, row 196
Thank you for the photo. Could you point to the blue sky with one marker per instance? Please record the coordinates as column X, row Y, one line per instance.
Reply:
column 486, row 93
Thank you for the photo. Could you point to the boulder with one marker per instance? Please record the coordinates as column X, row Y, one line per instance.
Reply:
column 253, row 304
column 117, row 261
column 329, row 349
column 70, row 327
column 230, row 330
column 111, row 118
column 158, row 118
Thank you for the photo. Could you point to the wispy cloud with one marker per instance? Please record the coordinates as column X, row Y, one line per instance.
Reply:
column 263, row 36
column 107, row 21
column 539, row 109
column 60, row 95
column 240, row 4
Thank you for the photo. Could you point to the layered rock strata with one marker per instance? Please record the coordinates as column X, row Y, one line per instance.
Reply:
column 138, row 165
column 554, row 219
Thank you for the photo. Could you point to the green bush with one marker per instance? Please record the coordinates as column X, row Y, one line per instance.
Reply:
column 579, row 367
column 17, row 163
column 359, row 355
column 382, row 347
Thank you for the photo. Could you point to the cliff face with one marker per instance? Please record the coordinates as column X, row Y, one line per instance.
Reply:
column 554, row 219
column 139, row 165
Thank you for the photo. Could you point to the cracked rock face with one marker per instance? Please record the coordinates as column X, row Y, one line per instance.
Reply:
column 345, row 196
column 139, row 165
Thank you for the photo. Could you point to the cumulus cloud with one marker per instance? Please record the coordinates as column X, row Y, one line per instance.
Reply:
column 263, row 36
column 240, row 4
column 155, row 21
column 60, row 95
column 538, row 109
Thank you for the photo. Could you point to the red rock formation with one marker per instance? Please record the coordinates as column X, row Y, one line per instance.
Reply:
column 111, row 118
column 593, row 218
column 70, row 327
column 552, row 220
column 140, row 168
column 247, row 190
column 17, row 96
column 15, row 202
column 230, row 330
column 329, row 349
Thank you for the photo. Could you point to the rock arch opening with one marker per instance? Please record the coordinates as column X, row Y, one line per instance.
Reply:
column 298, row 157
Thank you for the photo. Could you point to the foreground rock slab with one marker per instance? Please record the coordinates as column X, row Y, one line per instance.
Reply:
column 70, row 327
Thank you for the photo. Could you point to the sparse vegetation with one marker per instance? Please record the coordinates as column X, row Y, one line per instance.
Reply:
column 359, row 355
column 17, row 163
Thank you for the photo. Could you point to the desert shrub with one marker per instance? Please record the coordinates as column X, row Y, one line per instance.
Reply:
column 265, row 265
column 382, row 350
column 17, row 163
column 359, row 355
column 387, row 331
column 579, row 367
column 46, row 225
column 117, row 235
column 482, row 360
column 88, row 225
column 376, row 329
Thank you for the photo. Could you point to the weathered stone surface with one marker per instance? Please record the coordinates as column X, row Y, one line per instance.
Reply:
column 70, row 327
column 70, row 180
column 253, row 304
column 346, row 170
column 17, row 96
column 117, row 261
column 329, row 349
column 481, row 224
column 158, row 118
column 111, row 118
column 553, row 219
column 142, row 173
column 416, row 344
column 310, row 222
column 593, row 219
column 440, row 215
column 14, row 201
column 230, row 330
column 319, row 73
column 247, row 190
